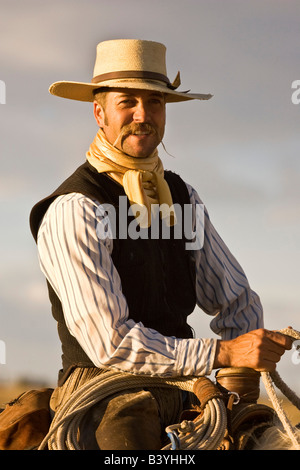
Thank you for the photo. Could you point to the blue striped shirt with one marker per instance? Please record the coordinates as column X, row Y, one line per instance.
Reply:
column 78, row 265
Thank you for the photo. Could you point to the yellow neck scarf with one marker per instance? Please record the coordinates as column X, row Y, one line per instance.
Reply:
column 142, row 178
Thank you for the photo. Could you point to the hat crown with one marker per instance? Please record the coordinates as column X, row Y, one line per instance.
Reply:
column 122, row 55
column 127, row 63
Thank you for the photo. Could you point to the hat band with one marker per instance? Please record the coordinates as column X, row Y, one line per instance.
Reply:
column 132, row 74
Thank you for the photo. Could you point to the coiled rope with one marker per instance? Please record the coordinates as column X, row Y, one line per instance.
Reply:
column 63, row 433
column 204, row 433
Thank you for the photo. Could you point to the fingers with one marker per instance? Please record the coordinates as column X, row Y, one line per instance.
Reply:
column 268, row 359
column 270, row 340
column 271, row 348
column 279, row 339
column 259, row 349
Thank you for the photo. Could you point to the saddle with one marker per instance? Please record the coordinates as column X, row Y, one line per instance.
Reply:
column 246, row 419
column 25, row 420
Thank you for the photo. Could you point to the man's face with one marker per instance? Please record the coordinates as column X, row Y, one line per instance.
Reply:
column 132, row 120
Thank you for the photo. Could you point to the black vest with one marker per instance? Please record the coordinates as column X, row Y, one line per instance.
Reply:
column 157, row 275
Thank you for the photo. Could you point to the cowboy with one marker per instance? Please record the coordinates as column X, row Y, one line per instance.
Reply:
column 122, row 302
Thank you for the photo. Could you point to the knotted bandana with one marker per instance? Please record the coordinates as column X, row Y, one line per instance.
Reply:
column 142, row 178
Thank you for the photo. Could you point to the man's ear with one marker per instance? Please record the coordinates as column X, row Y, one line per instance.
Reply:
column 99, row 114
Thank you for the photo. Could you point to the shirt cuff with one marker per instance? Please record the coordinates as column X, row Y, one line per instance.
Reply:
column 195, row 357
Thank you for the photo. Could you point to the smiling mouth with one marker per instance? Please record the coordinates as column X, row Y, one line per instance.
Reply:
column 139, row 129
column 136, row 129
column 141, row 133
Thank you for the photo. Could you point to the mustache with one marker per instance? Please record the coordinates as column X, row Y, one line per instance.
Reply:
column 135, row 128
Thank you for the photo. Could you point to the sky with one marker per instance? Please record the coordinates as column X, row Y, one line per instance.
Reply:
column 240, row 150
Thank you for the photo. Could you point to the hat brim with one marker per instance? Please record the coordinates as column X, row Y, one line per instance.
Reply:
column 84, row 91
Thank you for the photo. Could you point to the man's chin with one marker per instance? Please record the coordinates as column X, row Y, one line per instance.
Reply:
column 137, row 154
column 139, row 146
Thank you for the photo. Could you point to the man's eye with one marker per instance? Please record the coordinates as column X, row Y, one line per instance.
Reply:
column 156, row 101
column 127, row 102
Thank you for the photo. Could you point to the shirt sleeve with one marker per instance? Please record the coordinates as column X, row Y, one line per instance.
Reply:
column 79, row 267
column 222, row 288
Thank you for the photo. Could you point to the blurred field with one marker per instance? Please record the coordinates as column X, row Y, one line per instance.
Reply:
column 292, row 413
column 9, row 392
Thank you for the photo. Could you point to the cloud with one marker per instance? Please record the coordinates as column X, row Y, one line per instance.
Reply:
column 28, row 41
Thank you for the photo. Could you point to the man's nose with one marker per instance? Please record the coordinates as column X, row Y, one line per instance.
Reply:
column 140, row 112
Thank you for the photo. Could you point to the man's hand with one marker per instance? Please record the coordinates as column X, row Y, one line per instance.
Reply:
column 259, row 349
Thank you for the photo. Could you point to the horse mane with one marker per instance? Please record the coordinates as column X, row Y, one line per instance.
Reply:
column 275, row 438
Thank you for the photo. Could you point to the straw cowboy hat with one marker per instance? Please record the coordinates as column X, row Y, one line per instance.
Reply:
column 127, row 63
